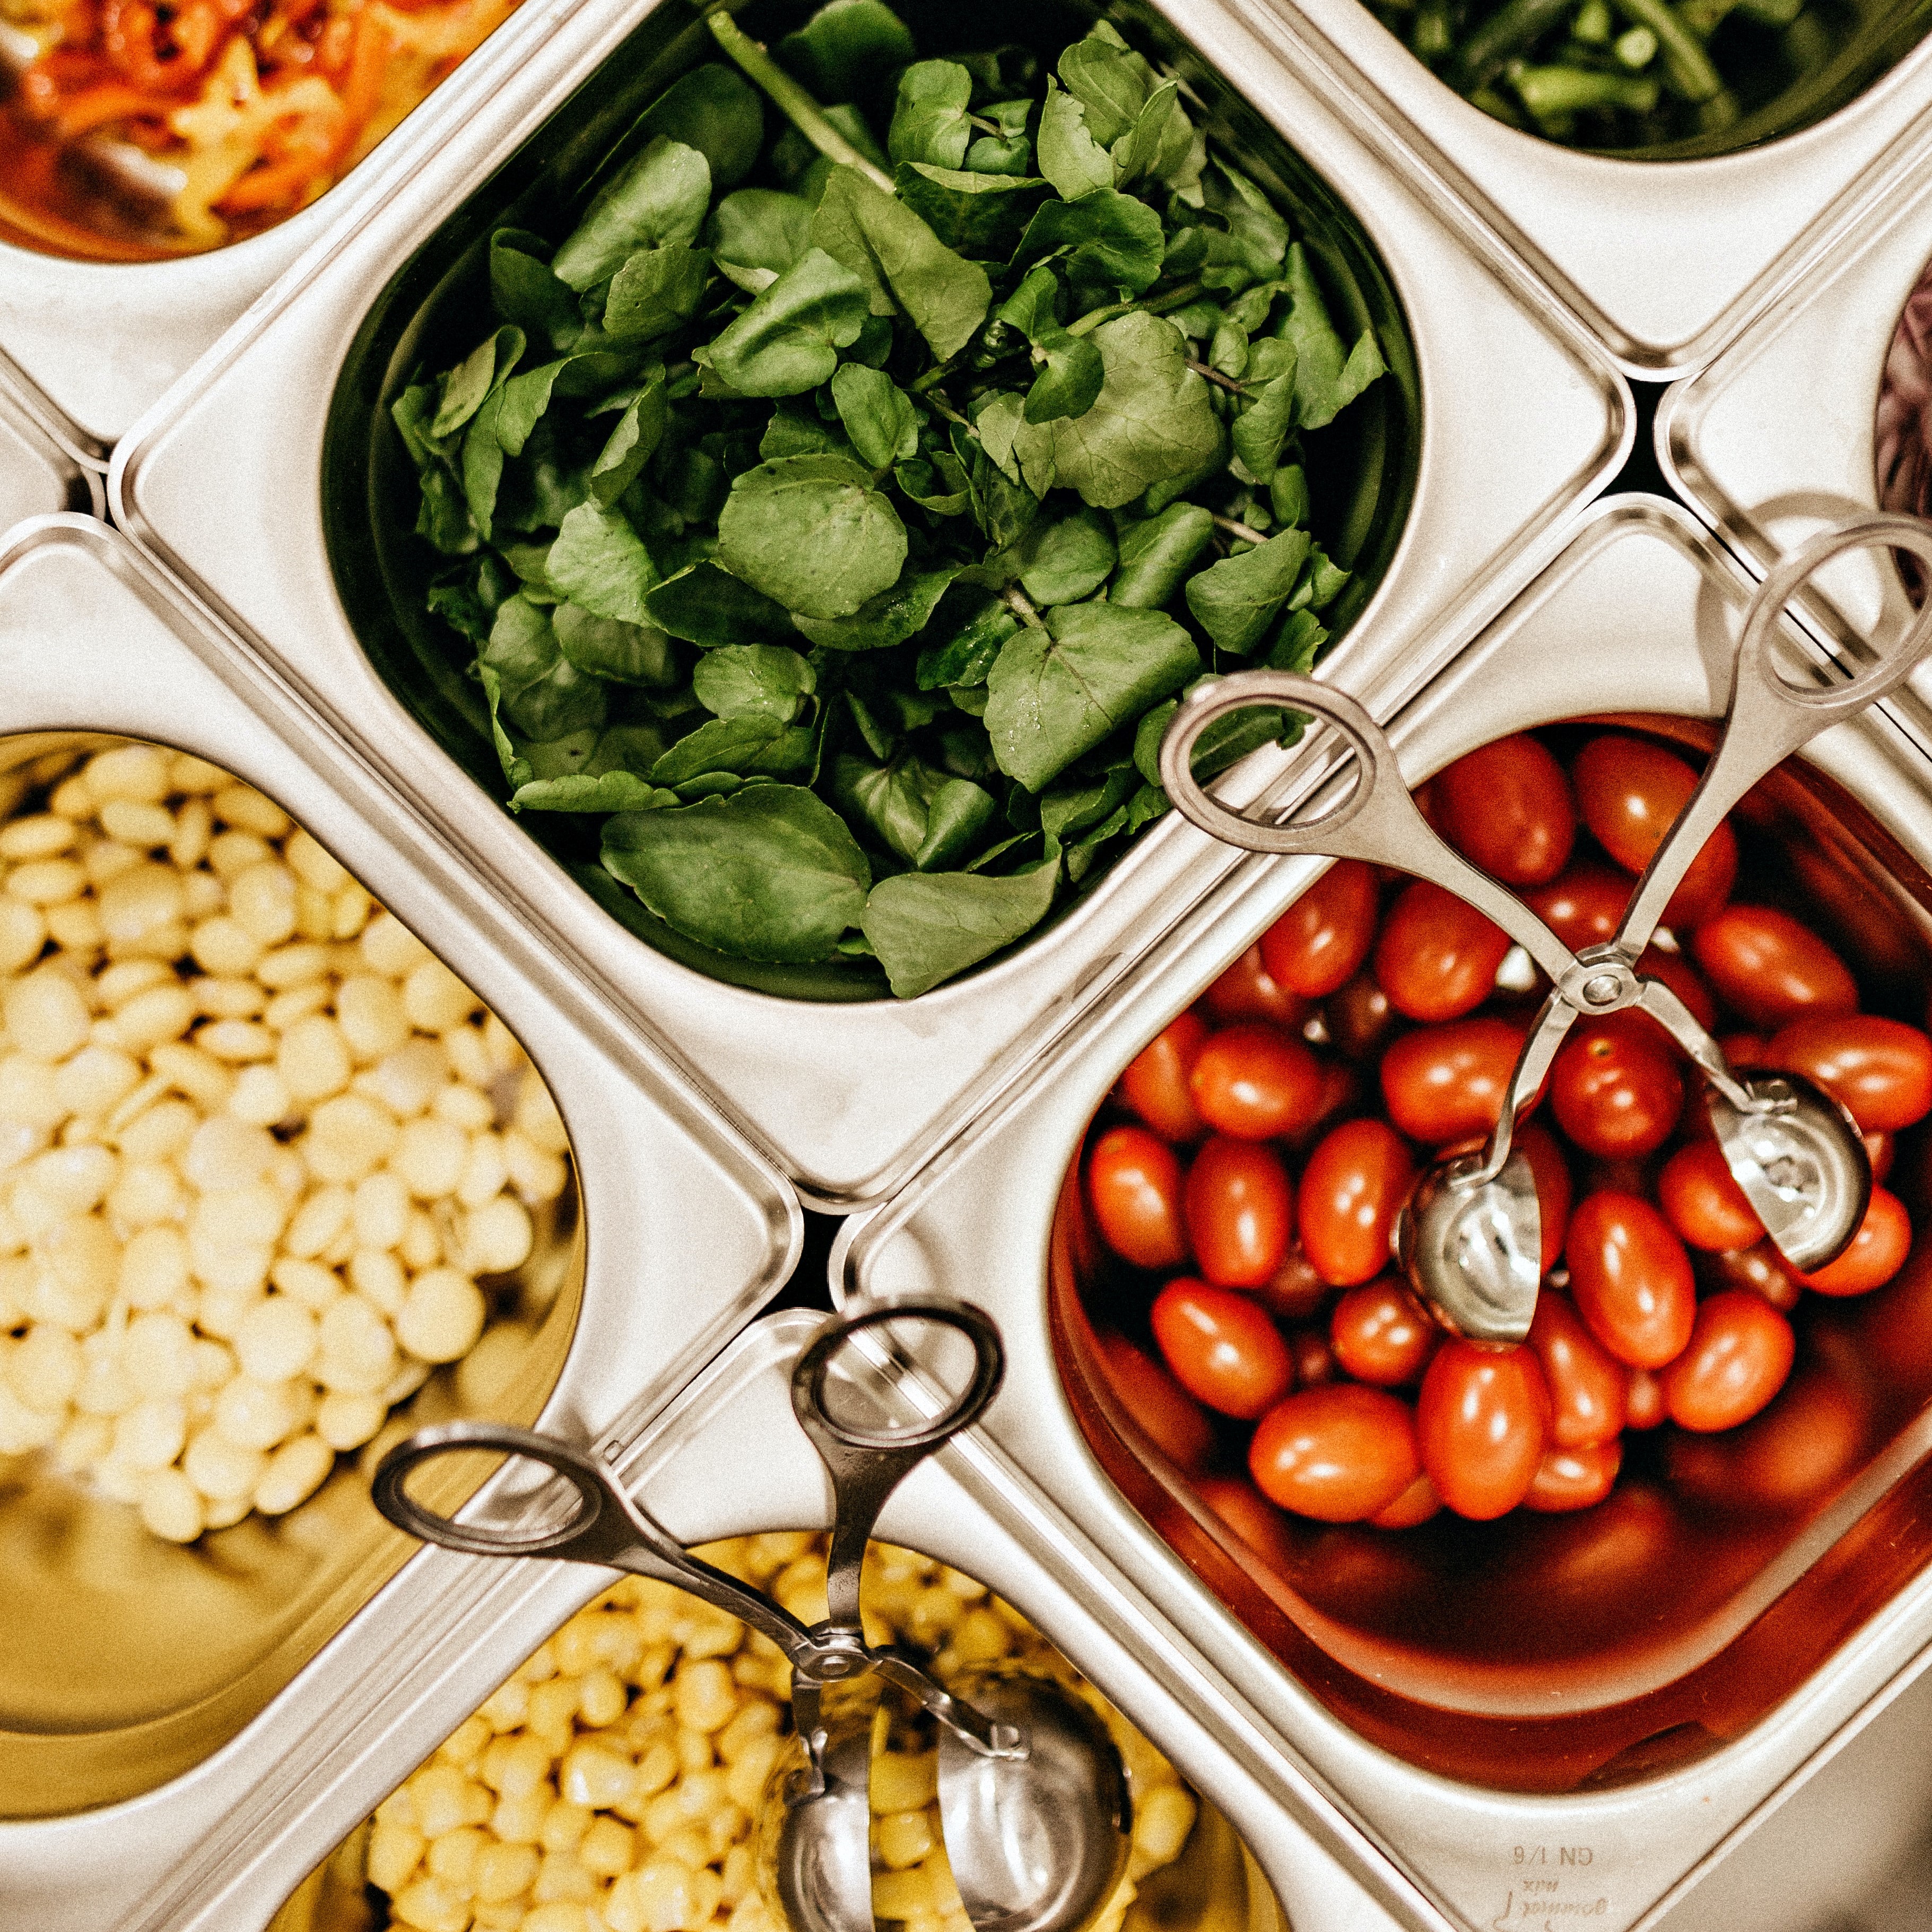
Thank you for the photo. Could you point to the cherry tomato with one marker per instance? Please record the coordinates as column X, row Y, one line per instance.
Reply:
column 1574, row 1479
column 1879, row 1070
column 1239, row 1208
column 1614, row 1087
column 1583, row 906
column 1223, row 1350
column 1318, row 944
column 1380, row 1334
column 1539, row 1147
column 1630, row 792
column 1155, row 1084
column 1760, row 1269
column 1880, row 1150
column 1250, row 1515
column 1360, row 1018
column 1877, row 1251
column 1588, row 1388
column 1295, row 1290
column 1744, row 1050
column 1771, row 969
column 1338, row 1454
column 1133, row 1181
column 1643, row 1400
column 1443, row 1082
column 1170, row 1416
column 1255, row 1081
column 1247, row 990
column 1799, row 1450
column 1314, row 1359
column 1436, row 956
column 1681, row 976
column 1739, row 1354
column 1507, row 808
column 1482, row 1424
column 1352, row 1189
column 1702, row 1201
column 1631, row 1278
column 1417, row 1504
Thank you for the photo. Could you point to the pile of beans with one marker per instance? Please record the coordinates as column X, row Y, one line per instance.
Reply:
column 614, row 1784
column 256, row 1143
column 1274, row 1132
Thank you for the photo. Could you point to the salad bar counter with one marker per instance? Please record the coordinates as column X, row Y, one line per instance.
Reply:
column 604, row 618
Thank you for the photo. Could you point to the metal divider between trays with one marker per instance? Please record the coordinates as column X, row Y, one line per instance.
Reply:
column 685, row 1233
column 215, row 486
column 1604, row 630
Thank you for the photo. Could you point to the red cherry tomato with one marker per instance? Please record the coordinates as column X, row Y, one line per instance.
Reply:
column 1436, row 957
column 1771, row 969
column 1133, row 1182
column 1250, row 1515
column 1360, row 1018
column 1352, row 1189
column 1318, row 944
column 1643, row 1400
column 1552, row 1171
column 1247, row 990
column 1482, row 1424
column 1417, row 1504
column 1171, row 1417
column 1295, row 1290
column 1574, row 1479
column 1631, row 1278
column 1155, row 1084
column 1701, row 1200
column 1239, row 1208
column 1877, row 1251
column 1614, row 1087
column 1588, row 1388
column 1681, row 976
column 1583, row 906
column 1739, row 1354
column 1630, row 792
column 1222, row 1349
column 1880, row 1150
column 1255, row 1081
column 1879, row 1070
column 1744, row 1050
column 1442, row 1083
column 1314, row 1359
column 1337, row 1454
column 1380, row 1334
column 1507, row 808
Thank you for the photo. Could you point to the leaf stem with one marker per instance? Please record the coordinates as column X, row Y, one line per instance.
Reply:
column 1161, row 305
column 1214, row 376
column 1243, row 533
column 798, row 106
column 1017, row 601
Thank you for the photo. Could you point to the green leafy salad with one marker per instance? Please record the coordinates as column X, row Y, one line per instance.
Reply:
column 835, row 513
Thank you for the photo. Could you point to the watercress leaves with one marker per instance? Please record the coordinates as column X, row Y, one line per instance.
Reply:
column 654, row 291
column 660, row 196
column 760, row 228
column 1152, row 418
column 929, row 119
column 599, row 562
column 812, row 533
column 1237, row 599
column 878, row 414
column 788, row 340
column 710, row 607
column 1110, row 238
column 754, row 681
column 891, row 617
column 925, row 928
column 1157, row 553
column 1325, row 382
column 1069, row 155
column 980, row 214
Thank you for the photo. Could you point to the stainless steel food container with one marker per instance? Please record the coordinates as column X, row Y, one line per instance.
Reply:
column 684, row 1233
column 1637, row 615
column 725, row 1458
column 43, row 465
column 1664, row 261
column 102, row 339
column 220, row 484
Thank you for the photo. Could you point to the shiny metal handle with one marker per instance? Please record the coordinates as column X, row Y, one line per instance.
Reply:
column 1378, row 821
column 1768, row 719
column 605, row 1528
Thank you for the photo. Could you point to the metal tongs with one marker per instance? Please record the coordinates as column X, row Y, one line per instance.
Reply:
column 1032, row 1793
column 1469, row 1238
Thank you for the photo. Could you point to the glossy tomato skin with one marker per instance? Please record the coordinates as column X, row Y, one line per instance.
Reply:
column 1631, row 1278
column 1589, row 1387
column 1739, row 1354
column 1417, row 1504
column 1630, row 792
column 1350, row 1191
column 1381, row 1335
column 1239, row 1206
column 1338, row 1454
column 1255, row 1081
column 1174, row 1421
column 1879, row 1070
column 1133, row 1184
column 1221, row 1348
column 1314, row 1362
column 1703, row 1203
column 1295, row 1290
column 1250, row 1515
column 1318, row 944
column 1574, row 1479
column 1682, row 978
column 1615, row 1088
column 1583, row 906
column 1507, row 808
column 1360, row 1018
column 1436, row 955
column 1155, row 1084
column 1643, row 1401
column 1442, row 1083
column 1770, row 969
column 1482, row 1424
column 1877, row 1251
column 1553, row 1188
column 1759, row 1270
column 1248, row 991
